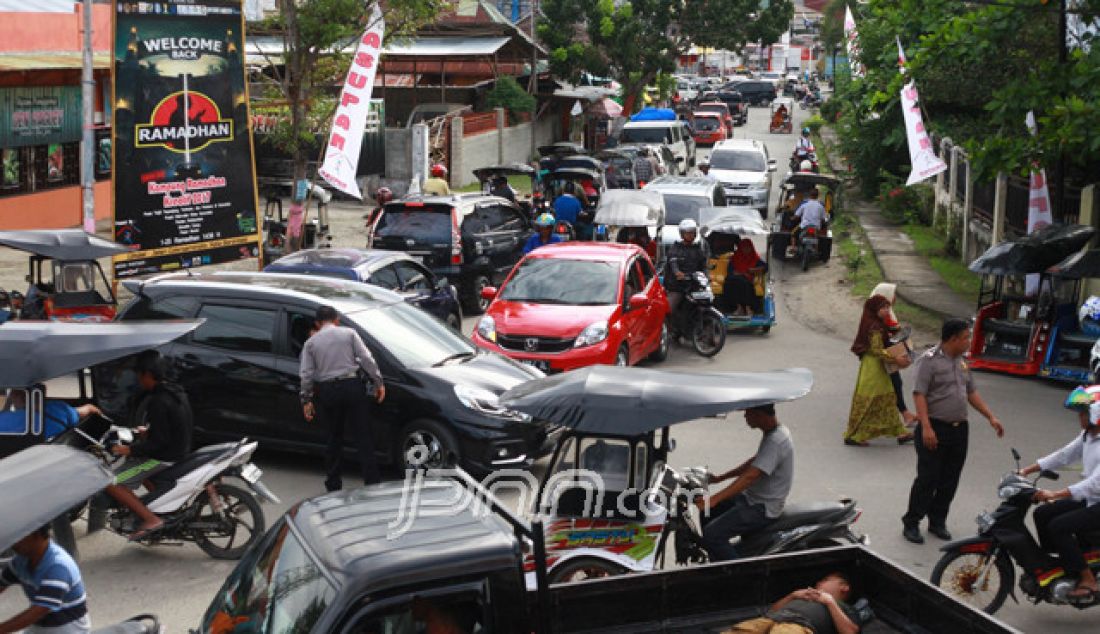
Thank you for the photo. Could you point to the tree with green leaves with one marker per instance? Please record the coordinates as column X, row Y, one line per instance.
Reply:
column 635, row 41
column 302, row 84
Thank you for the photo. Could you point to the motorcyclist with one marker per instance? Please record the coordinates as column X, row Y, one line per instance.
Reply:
column 162, row 419
column 811, row 213
column 545, row 234
column 805, row 146
column 382, row 196
column 567, row 206
column 503, row 189
column 437, row 184
column 1076, row 508
column 685, row 258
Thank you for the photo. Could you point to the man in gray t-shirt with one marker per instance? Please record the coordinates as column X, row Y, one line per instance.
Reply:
column 758, row 494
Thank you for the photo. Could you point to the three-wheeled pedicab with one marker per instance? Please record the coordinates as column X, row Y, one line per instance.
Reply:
column 1013, row 327
column 66, row 283
column 634, row 217
column 794, row 190
column 610, row 502
column 531, row 204
column 618, row 169
column 725, row 230
column 781, row 120
column 1069, row 355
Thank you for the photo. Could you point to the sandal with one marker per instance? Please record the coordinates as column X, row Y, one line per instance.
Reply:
column 142, row 533
column 904, row 439
column 1082, row 592
column 856, row 443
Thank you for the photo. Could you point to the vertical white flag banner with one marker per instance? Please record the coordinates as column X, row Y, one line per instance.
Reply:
column 350, row 120
column 1038, row 205
column 852, row 37
column 925, row 163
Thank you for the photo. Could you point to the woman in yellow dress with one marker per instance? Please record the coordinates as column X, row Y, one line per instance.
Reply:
column 874, row 410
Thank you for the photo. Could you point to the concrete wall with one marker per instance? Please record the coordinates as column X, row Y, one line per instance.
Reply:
column 58, row 208
column 510, row 145
column 398, row 160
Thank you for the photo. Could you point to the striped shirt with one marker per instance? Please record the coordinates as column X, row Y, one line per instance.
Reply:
column 54, row 584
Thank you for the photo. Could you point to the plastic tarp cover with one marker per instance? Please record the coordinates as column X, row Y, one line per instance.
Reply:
column 628, row 402
column 1034, row 253
column 743, row 221
column 654, row 114
column 43, row 482
column 1079, row 265
column 63, row 244
column 631, row 208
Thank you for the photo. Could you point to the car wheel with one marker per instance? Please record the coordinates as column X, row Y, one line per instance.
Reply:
column 663, row 343
column 472, row 302
column 622, row 357
column 425, row 444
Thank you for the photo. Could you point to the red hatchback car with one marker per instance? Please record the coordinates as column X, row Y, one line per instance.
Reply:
column 574, row 304
column 709, row 128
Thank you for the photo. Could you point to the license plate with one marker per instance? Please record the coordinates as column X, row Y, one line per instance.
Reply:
column 538, row 365
column 250, row 473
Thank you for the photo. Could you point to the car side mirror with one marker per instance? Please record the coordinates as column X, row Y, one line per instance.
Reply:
column 489, row 293
column 638, row 300
column 771, row 165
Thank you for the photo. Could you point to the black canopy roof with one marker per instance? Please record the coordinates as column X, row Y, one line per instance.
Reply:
column 616, row 401
column 42, row 482
column 485, row 173
column 1033, row 253
column 1079, row 265
column 562, row 147
column 61, row 244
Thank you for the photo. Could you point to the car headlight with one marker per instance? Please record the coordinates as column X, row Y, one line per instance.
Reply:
column 592, row 334
column 487, row 328
column 485, row 402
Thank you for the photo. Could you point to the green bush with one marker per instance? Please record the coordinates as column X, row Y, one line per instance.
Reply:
column 902, row 204
column 814, row 123
column 508, row 94
column 830, row 110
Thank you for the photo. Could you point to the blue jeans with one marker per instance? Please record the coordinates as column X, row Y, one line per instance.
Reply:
column 729, row 519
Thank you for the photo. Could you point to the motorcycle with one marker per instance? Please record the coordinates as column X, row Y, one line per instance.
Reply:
column 199, row 505
column 696, row 318
column 979, row 570
column 808, row 247
column 798, row 156
column 140, row 624
column 810, row 100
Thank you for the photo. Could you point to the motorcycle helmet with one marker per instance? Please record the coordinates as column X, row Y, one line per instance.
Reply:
column 688, row 225
column 1083, row 397
column 545, row 220
column 805, row 132
column 383, row 195
column 439, row 170
column 805, row 166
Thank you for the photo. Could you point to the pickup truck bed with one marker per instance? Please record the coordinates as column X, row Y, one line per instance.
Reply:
column 707, row 599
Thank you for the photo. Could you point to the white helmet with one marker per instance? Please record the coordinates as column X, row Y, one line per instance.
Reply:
column 687, row 225
column 805, row 166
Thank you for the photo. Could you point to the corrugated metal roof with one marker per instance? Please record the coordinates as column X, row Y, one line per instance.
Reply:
column 50, row 61
column 37, row 6
column 445, row 46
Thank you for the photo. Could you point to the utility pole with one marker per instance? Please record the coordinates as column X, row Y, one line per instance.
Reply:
column 1063, row 55
column 87, row 139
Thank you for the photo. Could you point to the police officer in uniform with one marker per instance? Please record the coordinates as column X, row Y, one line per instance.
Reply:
column 942, row 390
column 332, row 389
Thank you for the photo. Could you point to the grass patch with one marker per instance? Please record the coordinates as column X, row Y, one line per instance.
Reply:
column 930, row 244
column 520, row 183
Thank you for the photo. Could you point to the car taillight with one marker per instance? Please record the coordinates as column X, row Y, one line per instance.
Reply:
column 456, row 240
column 276, row 241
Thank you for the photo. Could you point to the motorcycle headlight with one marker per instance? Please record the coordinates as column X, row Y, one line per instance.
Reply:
column 592, row 334
column 487, row 328
column 485, row 402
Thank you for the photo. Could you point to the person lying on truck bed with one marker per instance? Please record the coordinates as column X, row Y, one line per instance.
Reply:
column 822, row 609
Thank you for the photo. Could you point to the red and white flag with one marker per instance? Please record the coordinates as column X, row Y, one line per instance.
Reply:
column 901, row 56
column 851, row 35
column 922, row 158
column 346, row 137
column 1038, row 204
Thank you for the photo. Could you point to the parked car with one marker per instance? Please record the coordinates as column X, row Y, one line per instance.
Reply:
column 240, row 369
column 571, row 305
column 759, row 92
column 721, row 109
column 684, row 197
column 668, row 133
column 737, row 105
column 710, row 128
column 745, row 171
column 473, row 240
column 665, row 160
column 392, row 270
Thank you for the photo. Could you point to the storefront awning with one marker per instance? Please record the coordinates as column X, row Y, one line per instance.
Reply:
column 50, row 61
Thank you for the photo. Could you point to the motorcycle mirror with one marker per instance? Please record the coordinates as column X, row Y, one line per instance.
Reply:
column 1015, row 455
column 1049, row 475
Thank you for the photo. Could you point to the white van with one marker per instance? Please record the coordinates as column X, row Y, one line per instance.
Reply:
column 672, row 134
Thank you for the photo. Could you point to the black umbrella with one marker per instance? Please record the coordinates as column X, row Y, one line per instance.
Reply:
column 1033, row 253
column 1079, row 265
column 33, row 352
column 610, row 400
column 43, row 482
column 64, row 244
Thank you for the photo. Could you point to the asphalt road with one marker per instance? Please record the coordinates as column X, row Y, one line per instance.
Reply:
column 178, row 582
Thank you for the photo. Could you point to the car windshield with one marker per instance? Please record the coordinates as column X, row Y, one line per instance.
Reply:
column 414, row 337
column 679, row 207
column 276, row 588
column 645, row 135
column 741, row 160
column 561, row 281
column 429, row 224
column 706, row 124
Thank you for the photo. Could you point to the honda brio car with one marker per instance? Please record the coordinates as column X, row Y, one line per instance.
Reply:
column 574, row 304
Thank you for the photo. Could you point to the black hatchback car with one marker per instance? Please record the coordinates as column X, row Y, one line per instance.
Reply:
column 473, row 240
column 755, row 91
column 240, row 369
column 391, row 270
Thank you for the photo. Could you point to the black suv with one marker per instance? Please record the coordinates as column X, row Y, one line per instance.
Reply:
column 754, row 91
column 240, row 369
column 473, row 240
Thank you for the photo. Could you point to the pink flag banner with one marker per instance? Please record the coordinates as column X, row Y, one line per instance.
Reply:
column 851, row 35
column 922, row 158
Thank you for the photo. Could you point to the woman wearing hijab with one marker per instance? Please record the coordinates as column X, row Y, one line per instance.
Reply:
column 739, row 290
column 889, row 291
column 874, row 409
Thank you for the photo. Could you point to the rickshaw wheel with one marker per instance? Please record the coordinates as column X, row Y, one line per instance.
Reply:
column 583, row 568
